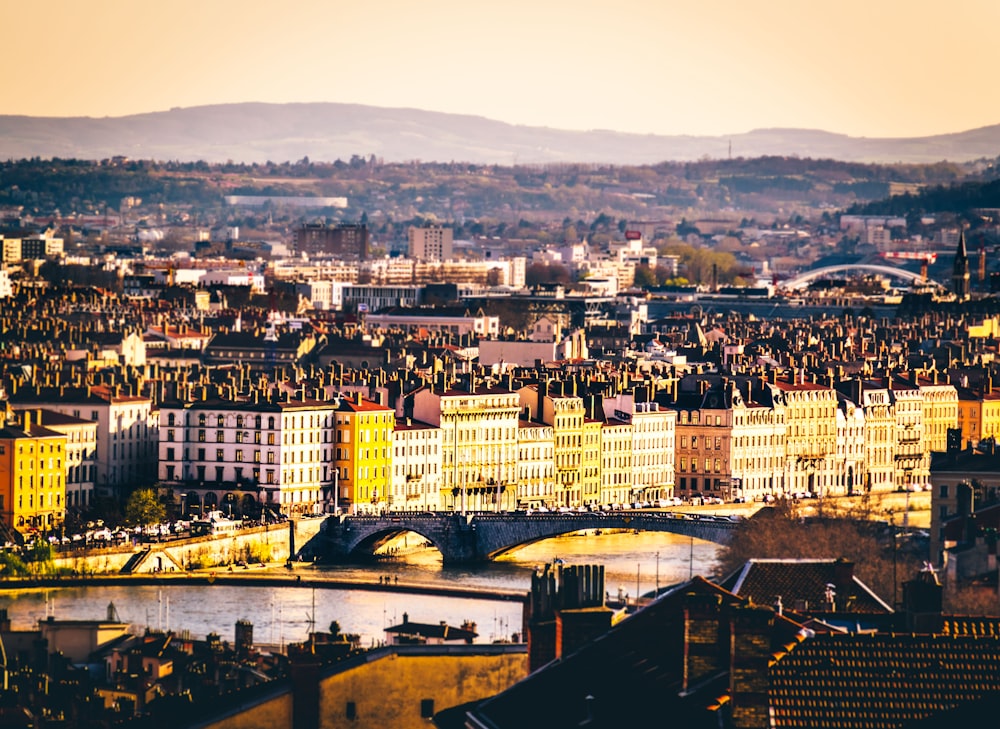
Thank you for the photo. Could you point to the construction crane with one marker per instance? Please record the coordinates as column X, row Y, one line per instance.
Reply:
column 926, row 258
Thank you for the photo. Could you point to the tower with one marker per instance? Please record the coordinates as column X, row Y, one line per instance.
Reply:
column 960, row 270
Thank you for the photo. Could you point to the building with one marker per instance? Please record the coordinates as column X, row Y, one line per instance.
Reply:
column 616, row 462
column 80, row 455
column 416, row 467
column 535, row 465
column 127, row 430
column 978, row 414
column 653, row 439
column 479, row 444
column 246, row 458
column 363, row 455
column 728, row 447
column 811, row 435
column 565, row 413
column 344, row 240
column 32, row 475
column 430, row 244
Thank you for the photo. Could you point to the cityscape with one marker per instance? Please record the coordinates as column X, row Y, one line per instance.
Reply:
column 360, row 367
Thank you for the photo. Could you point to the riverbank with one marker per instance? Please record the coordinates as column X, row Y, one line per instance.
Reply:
column 912, row 509
column 304, row 576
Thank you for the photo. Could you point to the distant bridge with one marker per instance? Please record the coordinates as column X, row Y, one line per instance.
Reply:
column 803, row 279
column 482, row 537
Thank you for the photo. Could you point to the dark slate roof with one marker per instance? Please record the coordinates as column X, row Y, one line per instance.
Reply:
column 438, row 631
column 634, row 674
column 862, row 681
column 801, row 585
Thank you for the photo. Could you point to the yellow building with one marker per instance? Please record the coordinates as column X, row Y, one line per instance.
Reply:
column 940, row 409
column 397, row 686
column 32, row 475
column 479, row 431
column 565, row 413
column 616, row 461
column 363, row 453
column 978, row 413
column 590, row 465
column 811, row 435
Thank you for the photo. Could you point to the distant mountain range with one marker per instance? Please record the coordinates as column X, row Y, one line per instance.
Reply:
column 255, row 132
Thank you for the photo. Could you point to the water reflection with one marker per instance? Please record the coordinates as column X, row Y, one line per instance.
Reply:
column 285, row 614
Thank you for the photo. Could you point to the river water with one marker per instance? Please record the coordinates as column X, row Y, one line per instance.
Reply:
column 281, row 615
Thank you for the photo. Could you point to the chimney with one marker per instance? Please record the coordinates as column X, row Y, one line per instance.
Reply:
column 702, row 639
column 922, row 603
column 751, row 652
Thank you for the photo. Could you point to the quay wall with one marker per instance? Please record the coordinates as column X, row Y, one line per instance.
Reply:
column 272, row 543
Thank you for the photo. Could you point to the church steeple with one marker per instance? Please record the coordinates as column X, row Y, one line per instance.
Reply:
column 960, row 270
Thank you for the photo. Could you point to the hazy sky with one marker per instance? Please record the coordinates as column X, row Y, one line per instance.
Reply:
column 861, row 67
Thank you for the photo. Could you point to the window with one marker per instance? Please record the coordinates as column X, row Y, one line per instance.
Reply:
column 220, row 436
column 426, row 708
column 270, row 438
column 220, row 454
column 239, row 456
column 170, row 454
column 351, row 711
column 171, row 419
column 201, row 436
column 944, row 491
column 220, row 421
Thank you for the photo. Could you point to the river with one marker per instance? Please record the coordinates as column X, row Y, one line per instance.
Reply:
column 285, row 614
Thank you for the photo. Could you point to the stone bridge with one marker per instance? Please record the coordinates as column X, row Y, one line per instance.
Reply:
column 482, row 537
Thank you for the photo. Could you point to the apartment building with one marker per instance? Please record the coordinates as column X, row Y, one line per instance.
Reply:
column 416, row 467
column 127, row 430
column 430, row 244
column 536, row 472
column 364, row 443
column 246, row 457
column 616, row 461
column 811, row 435
column 565, row 413
column 653, row 431
column 80, row 454
column 32, row 474
column 479, row 443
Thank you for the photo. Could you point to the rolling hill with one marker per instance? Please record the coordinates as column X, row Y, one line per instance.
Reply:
column 256, row 132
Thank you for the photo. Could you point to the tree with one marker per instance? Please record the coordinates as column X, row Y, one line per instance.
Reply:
column 144, row 507
column 780, row 533
column 644, row 277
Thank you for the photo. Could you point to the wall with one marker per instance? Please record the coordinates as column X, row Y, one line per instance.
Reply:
column 388, row 688
column 268, row 543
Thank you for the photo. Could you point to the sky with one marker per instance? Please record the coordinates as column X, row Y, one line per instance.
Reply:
column 872, row 68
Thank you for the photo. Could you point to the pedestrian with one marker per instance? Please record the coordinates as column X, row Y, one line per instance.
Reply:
column 396, row 578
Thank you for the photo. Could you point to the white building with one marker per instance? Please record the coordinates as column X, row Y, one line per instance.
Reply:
column 653, row 434
column 243, row 456
column 430, row 244
column 127, row 431
column 416, row 467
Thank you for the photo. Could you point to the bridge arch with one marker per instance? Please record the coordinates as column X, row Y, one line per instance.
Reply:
column 366, row 543
column 803, row 279
column 483, row 537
